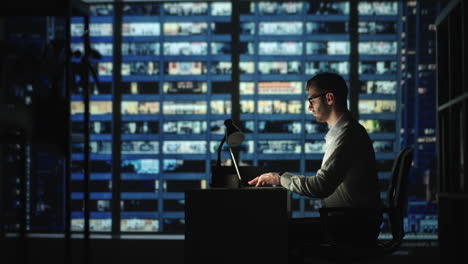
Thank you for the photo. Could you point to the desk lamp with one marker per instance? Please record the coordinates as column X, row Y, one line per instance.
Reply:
column 233, row 136
column 223, row 176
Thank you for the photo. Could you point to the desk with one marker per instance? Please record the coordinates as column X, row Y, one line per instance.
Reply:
column 237, row 225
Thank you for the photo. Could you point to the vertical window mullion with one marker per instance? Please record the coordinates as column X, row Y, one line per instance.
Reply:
column 353, row 59
column 116, row 117
column 235, row 58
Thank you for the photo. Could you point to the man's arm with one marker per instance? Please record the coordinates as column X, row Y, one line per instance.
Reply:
column 270, row 178
column 328, row 177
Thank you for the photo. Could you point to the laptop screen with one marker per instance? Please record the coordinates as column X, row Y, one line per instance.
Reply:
column 235, row 165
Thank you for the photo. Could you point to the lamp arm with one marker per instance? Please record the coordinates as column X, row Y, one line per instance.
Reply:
column 218, row 163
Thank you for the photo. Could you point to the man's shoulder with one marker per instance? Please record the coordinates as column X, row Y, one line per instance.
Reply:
column 352, row 128
column 349, row 124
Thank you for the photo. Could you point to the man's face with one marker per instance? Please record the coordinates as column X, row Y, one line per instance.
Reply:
column 318, row 105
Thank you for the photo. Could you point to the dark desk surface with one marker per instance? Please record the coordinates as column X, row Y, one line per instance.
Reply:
column 236, row 225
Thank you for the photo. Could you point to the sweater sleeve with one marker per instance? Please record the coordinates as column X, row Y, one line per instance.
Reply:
column 328, row 177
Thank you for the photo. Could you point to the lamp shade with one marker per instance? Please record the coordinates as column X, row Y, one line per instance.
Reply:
column 234, row 136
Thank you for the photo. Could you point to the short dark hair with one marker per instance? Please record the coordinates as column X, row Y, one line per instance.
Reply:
column 331, row 82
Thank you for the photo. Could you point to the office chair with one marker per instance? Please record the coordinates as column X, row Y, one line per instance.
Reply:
column 364, row 220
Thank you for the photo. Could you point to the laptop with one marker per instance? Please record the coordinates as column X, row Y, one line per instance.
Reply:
column 248, row 173
column 235, row 176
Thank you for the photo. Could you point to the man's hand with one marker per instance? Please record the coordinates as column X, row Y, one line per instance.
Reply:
column 270, row 178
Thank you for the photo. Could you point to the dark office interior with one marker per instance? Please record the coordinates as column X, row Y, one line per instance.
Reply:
column 117, row 115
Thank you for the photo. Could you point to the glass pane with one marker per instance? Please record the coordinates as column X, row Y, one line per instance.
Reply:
column 100, row 127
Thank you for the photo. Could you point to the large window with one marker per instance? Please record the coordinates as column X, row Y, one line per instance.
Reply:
column 176, row 92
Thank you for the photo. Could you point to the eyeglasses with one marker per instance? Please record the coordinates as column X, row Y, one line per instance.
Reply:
column 316, row 96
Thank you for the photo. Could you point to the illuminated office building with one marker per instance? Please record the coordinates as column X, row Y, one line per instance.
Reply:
column 175, row 94
column 101, row 37
column 167, row 68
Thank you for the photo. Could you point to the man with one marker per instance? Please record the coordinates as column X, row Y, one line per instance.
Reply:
column 347, row 177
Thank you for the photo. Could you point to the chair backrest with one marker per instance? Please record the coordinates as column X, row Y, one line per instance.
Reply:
column 397, row 195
